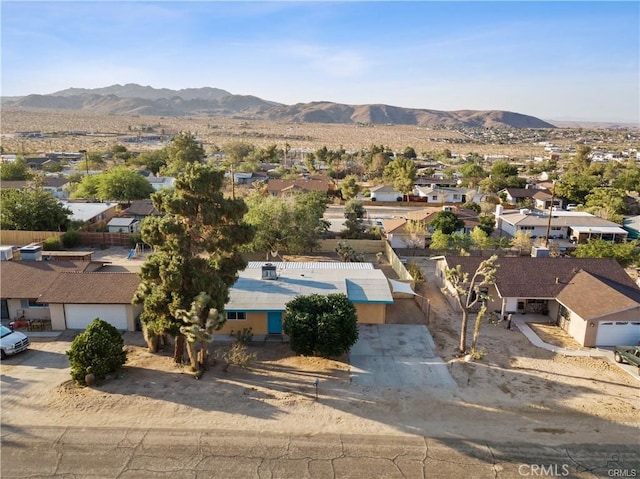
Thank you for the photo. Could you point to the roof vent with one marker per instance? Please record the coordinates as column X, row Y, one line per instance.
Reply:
column 269, row 271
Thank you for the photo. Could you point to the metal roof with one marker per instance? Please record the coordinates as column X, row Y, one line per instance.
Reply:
column 361, row 284
column 292, row 265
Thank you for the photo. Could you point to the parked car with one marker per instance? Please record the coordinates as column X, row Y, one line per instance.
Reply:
column 12, row 342
column 571, row 206
column 629, row 354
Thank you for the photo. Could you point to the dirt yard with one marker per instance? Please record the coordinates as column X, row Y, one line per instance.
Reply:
column 515, row 391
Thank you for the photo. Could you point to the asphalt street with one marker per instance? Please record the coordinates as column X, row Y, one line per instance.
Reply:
column 93, row 452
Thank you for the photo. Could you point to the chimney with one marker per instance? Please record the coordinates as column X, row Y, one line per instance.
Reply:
column 269, row 271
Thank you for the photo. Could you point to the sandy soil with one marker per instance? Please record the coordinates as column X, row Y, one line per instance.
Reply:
column 516, row 392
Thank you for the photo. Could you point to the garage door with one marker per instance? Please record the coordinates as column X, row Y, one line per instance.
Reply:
column 79, row 316
column 618, row 333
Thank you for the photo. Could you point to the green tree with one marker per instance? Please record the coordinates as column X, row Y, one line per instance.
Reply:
column 503, row 168
column 522, row 241
column 480, row 238
column 469, row 292
column 447, row 222
column 627, row 253
column 349, row 188
column 606, row 202
column 402, row 172
column 321, row 325
column 88, row 188
column 98, row 350
column 32, row 210
column 16, row 170
column 487, row 224
column 154, row 161
column 196, row 249
column 416, row 230
column 293, row 224
column 581, row 160
column 122, row 184
column 576, row 186
column 183, row 150
column 439, row 240
column 409, row 153
column 354, row 227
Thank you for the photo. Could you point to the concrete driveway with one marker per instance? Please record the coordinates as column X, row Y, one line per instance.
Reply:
column 399, row 355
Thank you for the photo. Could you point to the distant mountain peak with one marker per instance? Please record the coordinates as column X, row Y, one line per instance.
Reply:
column 132, row 98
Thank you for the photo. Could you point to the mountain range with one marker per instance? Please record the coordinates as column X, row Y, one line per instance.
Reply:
column 133, row 99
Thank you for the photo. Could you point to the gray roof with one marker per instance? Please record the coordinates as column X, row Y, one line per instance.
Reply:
column 359, row 281
column 559, row 218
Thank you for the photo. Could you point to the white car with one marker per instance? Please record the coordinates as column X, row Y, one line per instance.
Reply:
column 12, row 342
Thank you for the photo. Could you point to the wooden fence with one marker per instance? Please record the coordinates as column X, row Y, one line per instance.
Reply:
column 22, row 238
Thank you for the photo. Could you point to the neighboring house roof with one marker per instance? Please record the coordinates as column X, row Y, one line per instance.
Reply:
column 142, row 208
column 14, row 184
column 92, row 288
column 86, row 211
column 359, row 281
column 521, row 192
column 121, row 221
column 560, row 218
column 28, row 279
column 54, row 182
column 394, row 225
column 603, row 298
column 383, row 189
column 527, row 277
column 312, row 183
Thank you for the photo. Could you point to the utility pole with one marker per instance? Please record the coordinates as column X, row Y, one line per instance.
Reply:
column 553, row 195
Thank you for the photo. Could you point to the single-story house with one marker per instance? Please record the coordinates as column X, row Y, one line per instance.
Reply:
column 242, row 178
column 56, row 186
column 577, row 226
column 70, row 294
column 140, row 209
column 88, row 212
column 517, row 196
column 385, row 193
column 441, row 195
column 303, row 184
column 593, row 299
column 123, row 225
column 258, row 298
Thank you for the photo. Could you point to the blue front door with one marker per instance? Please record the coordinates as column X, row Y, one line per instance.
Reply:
column 274, row 322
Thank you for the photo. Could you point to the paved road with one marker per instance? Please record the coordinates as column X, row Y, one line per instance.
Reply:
column 90, row 452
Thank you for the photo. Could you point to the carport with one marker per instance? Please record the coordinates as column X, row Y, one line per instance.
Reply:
column 399, row 355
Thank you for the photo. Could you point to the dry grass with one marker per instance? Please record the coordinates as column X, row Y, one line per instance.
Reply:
column 215, row 132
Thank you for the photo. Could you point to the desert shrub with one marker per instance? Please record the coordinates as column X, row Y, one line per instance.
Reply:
column 98, row 350
column 244, row 336
column 237, row 355
column 71, row 239
column 51, row 244
column 322, row 325
column 415, row 271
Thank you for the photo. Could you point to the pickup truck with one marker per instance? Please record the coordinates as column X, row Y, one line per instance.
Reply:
column 629, row 354
column 12, row 342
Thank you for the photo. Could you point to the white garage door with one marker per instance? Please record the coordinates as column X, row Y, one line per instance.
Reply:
column 79, row 316
column 618, row 333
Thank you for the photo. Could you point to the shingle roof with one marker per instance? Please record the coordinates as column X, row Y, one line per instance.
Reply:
column 142, row 208
column 602, row 298
column 527, row 277
column 88, row 288
column 28, row 279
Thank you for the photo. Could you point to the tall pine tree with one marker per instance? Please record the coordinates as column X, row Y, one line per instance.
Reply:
column 195, row 250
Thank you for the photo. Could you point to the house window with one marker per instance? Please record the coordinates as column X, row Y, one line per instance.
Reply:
column 434, row 197
column 456, row 197
column 31, row 304
column 564, row 312
column 527, row 228
column 236, row 315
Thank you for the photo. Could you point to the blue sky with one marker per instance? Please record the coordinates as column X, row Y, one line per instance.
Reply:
column 553, row 60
